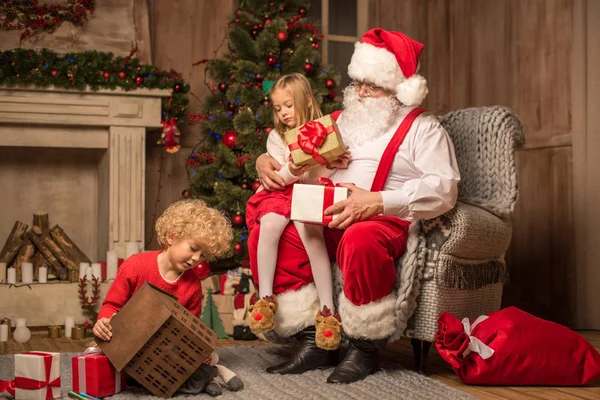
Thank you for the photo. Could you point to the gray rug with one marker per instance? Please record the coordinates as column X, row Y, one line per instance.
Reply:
column 249, row 362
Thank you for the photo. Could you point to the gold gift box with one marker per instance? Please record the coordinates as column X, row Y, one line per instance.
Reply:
column 331, row 149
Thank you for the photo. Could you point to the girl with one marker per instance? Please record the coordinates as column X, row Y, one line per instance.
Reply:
column 293, row 105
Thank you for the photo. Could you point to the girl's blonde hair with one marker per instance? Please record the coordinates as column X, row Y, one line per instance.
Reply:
column 192, row 219
column 306, row 106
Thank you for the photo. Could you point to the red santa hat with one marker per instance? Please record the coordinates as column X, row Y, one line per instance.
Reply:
column 390, row 59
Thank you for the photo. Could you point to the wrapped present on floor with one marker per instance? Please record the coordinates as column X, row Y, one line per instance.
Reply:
column 315, row 143
column 93, row 374
column 309, row 202
column 37, row 375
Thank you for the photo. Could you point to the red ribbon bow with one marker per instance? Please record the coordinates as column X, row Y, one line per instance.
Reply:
column 311, row 137
column 7, row 387
column 32, row 384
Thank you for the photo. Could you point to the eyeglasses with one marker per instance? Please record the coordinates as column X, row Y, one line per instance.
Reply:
column 357, row 85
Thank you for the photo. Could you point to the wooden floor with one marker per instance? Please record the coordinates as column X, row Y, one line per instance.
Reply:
column 400, row 351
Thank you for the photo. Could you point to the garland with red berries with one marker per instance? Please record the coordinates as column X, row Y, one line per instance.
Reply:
column 98, row 70
column 33, row 18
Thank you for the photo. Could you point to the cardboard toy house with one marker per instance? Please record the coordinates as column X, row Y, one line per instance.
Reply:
column 157, row 341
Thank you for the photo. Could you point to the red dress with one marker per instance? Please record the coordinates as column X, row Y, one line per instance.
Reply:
column 264, row 202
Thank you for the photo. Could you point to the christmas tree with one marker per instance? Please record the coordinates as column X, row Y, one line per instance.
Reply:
column 265, row 41
column 210, row 316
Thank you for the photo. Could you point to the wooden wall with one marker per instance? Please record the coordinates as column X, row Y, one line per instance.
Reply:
column 515, row 53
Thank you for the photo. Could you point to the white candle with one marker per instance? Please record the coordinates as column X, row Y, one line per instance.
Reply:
column 97, row 270
column 3, row 333
column 2, row 272
column 43, row 275
column 88, row 273
column 11, row 276
column 131, row 248
column 69, row 324
column 83, row 269
column 27, row 272
column 112, row 264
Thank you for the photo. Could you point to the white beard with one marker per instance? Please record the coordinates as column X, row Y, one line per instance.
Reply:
column 365, row 119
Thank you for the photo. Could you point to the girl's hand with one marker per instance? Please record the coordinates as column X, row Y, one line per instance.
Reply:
column 102, row 328
column 297, row 170
column 342, row 162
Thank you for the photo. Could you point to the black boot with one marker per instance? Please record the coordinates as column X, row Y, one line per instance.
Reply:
column 307, row 357
column 360, row 361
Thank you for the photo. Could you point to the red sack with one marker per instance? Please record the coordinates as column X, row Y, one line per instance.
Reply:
column 512, row 347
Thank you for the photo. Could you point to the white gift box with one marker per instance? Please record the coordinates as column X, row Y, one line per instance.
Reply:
column 35, row 369
column 310, row 201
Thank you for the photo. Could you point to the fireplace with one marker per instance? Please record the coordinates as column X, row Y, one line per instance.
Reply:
column 80, row 156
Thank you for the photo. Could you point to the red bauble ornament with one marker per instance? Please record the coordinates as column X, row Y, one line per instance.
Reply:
column 185, row 193
column 329, row 83
column 203, row 269
column 122, row 74
column 282, row 36
column 139, row 80
column 302, row 11
column 178, row 88
column 258, row 77
column 222, row 87
column 230, row 139
column 238, row 220
column 106, row 75
column 238, row 249
column 53, row 72
column 271, row 61
column 245, row 186
column 268, row 129
column 255, row 185
column 332, row 94
column 309, row 68
column 231, row 107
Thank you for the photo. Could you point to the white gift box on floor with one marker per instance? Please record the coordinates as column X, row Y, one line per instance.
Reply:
column 310, row 201
column 37, row 375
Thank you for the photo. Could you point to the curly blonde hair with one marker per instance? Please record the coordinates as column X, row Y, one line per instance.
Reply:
column 192, row 219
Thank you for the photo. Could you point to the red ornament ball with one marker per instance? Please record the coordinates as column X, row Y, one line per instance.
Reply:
column 245, row 186
column 238, row 220
column 282, row 36
column 332, row 94
column 139, row 80
column 122, row 74
column 230, row 139
column 302, row 11
column 258, row 77
column 268, row 129
column 178, row 88
column 106, row 75
column 255, row 185
column 53, row 72
column 185, row 193
column 330, row 84
column 309, row 68
column 222, row 87
column 203, row 269
column 238, row 249
column 271, row 61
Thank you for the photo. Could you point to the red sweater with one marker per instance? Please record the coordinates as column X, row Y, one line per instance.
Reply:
column 143, row 267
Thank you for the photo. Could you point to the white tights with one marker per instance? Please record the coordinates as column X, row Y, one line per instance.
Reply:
column 271, row 228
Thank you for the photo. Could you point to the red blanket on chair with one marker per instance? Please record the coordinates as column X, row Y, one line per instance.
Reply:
column 512, row 347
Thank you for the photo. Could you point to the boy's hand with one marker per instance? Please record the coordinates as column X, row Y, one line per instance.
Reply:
column 342, row 162
column 102, row 328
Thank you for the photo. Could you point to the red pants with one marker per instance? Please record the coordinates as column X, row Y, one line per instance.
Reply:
column 366, row 254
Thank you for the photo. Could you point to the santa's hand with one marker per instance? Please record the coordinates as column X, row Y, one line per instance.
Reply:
column 359, row 206
column 266, row 167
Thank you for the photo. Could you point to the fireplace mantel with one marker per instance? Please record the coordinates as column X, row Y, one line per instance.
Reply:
column 114, row 122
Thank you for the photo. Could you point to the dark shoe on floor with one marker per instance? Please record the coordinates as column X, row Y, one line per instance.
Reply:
column 361, row 360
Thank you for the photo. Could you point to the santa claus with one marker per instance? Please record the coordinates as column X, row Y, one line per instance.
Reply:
column 403, row 169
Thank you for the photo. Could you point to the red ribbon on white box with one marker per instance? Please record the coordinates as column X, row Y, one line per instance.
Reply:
column 328, row 198
column 32, row 384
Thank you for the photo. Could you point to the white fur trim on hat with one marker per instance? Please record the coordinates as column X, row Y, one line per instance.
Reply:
column 375, row 65
column 375, row 320
column 412, row 91
column 296, row 310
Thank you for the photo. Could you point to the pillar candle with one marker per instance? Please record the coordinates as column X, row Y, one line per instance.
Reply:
column 3, row 333
column 69, row 323
column 83, row 269
column 131, row 248
column 27, row 272
column 97, row 270
column 42, row 275
column 2, row 272
column 112, row 264
column 11, row 276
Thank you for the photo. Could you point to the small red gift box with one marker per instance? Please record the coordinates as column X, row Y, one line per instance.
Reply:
column 93, row 374
column 37, row 375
